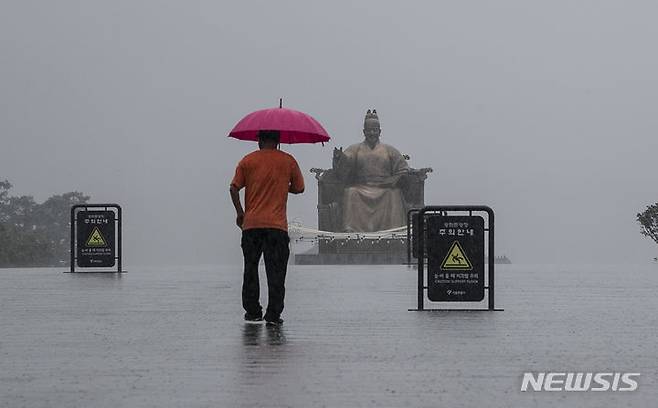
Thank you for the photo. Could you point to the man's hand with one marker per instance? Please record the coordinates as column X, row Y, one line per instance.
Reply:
column 235, row 197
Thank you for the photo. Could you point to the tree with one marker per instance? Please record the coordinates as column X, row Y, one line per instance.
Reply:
column 649, row 222
column 33, row 234
column 53, row 218
column 5, row 186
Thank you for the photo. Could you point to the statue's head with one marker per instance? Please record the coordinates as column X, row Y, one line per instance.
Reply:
column 371, row 128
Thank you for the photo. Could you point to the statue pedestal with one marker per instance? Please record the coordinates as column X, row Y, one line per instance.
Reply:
column 355, row 252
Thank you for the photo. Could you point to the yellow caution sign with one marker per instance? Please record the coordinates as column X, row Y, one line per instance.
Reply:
column 96, row 239
column 456, row 259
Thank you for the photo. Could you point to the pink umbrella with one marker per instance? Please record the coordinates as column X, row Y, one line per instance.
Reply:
column 295, row 126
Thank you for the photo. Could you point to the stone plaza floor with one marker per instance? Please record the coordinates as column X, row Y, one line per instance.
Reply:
column 174, row 337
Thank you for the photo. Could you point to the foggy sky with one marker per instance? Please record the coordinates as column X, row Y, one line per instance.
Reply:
column 544, row 111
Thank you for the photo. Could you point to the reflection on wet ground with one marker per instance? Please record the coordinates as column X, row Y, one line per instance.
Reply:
column 257, row 334
column 175, row 337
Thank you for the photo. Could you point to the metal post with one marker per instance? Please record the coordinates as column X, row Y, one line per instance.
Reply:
column 421, row 257
column 491, row 259
column 119, row 237
column 72, row 257
column 409, row 237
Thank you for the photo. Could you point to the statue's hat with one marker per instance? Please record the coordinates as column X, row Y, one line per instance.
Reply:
column 371, row 118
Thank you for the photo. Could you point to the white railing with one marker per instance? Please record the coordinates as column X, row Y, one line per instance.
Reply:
column 298, row 232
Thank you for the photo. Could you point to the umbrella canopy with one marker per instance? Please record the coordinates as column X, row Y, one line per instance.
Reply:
column 295, row 126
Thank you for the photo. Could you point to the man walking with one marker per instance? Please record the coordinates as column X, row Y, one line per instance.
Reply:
column 268, row 175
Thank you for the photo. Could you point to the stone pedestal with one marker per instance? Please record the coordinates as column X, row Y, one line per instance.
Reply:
column 355, row 252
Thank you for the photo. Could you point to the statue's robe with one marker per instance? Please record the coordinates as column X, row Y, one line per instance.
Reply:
column 371, row 202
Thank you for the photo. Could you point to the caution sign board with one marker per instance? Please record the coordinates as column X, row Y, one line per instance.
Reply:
column 455, row 252
column 95, row 239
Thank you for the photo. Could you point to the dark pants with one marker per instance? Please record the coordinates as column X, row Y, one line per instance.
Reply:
column 273, row 244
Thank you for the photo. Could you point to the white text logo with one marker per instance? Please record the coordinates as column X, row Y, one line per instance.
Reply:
column 553, row 381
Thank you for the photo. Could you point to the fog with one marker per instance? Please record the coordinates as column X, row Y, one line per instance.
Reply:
column 544, row 111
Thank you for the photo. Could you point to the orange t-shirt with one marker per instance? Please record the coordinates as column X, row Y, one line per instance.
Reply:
column 267, row 175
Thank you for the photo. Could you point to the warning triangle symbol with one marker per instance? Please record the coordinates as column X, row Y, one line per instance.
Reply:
column 96, row 239
column 456, row 259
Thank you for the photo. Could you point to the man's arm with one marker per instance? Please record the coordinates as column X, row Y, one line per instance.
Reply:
column 296, row 180
column 235, row 197
column 293, row 191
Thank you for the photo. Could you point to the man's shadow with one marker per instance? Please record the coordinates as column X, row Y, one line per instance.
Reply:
column 263, row 334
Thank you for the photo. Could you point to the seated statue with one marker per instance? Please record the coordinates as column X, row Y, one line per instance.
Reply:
column 361, row 173
column 371, row 172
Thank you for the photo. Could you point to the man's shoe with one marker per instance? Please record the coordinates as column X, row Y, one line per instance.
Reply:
column 252, row 318
column 274, row 322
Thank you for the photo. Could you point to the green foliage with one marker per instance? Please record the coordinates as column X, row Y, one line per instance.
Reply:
column 649, row 222
column 33, row 234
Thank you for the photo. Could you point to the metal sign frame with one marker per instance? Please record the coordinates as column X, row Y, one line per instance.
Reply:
column 419, row 235
column 75, row 210
column 412, row 241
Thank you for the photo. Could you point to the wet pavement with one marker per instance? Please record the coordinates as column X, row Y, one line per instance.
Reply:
column 174, row 337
